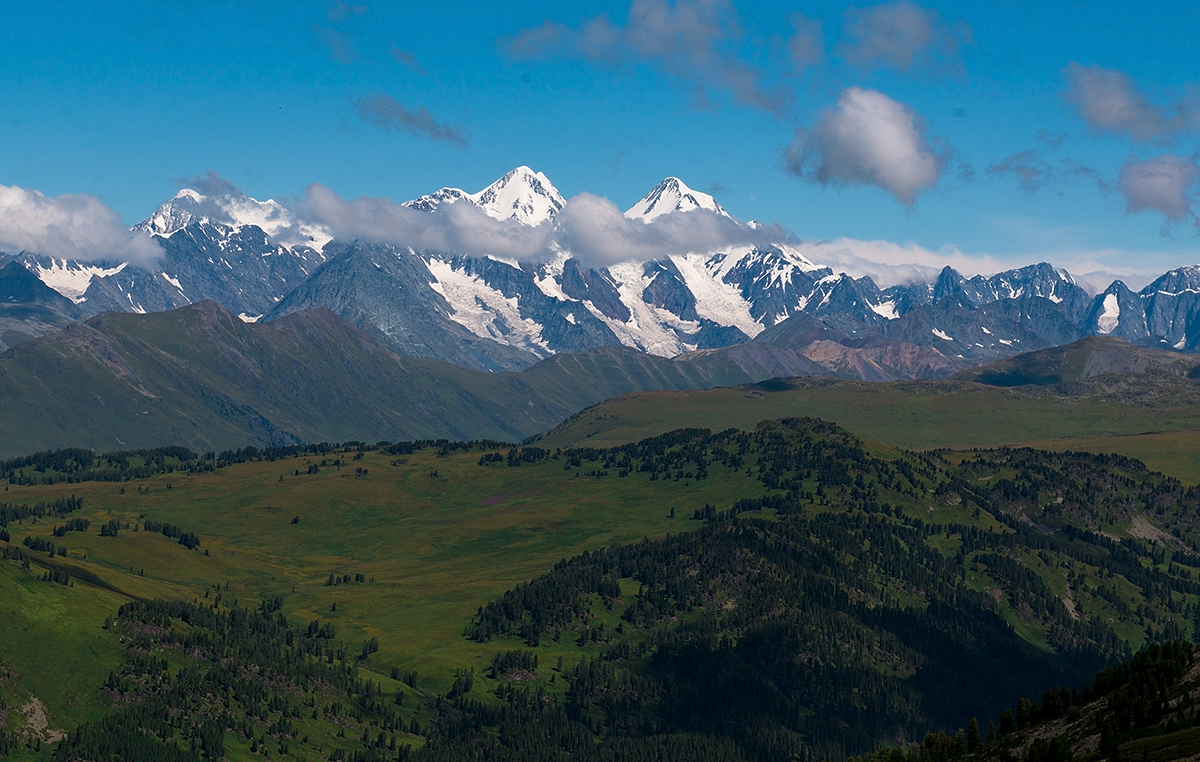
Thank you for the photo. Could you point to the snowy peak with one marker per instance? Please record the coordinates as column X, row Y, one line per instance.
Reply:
column 234, row 210
column 175, row 215
column 431, row 202
column 522, row 195
column 672, row 195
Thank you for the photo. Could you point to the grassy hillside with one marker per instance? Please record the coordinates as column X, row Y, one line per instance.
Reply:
column 1060, row 563
column 1102, row 415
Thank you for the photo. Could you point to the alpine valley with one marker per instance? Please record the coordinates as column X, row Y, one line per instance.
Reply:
column 760, row 510
column 262, row 261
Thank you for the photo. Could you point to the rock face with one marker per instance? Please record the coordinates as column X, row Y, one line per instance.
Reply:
column 260, row 261
column 387, row 293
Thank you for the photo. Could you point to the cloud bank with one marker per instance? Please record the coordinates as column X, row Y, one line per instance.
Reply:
column 592, row 229
column 70, row 226
column 867, row 139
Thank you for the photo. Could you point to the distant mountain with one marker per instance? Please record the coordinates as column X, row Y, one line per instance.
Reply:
column 19, row 286
column 261, row 261
column 386, row 292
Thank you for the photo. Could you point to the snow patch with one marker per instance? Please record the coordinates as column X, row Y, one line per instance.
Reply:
column 942, row 335
column 887, row 310
column 173, row 281
column 717, row 300
column 484, row 311
column 1107, row 322
column 650, row 329
column 249, row 318
column 71, row 279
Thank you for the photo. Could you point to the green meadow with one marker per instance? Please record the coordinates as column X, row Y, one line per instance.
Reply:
column 434, row 538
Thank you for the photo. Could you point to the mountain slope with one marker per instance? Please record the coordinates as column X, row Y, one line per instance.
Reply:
column 1140, row 709
column 29, row 308
column 200, row 377
column 1100, row 395
column 789, row 592
column 386, row 292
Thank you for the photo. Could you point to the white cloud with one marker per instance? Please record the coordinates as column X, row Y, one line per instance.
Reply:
column 889, row 263
column 453, row 227
column 1109, row 101
column 70, row 226
column 900, row 35
column 868, row 139
column 698, row 41
column 590, row 228
column 1163, row 184
column 596, row 232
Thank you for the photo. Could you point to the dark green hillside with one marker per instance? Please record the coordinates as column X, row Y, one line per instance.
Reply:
column 1142, row 709
column 790, row 591
column 846, row 621
column 200, row 377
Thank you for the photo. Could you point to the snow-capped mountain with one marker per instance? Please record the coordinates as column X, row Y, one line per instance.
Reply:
column 671, row 195
column 260, row 261
column 235, row 211
column 522, row 195
column 246, row 254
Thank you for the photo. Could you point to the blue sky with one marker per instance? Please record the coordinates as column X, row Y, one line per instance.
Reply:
column 1014, row 144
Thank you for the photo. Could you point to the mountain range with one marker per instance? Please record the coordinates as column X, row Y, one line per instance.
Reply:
column 261, row 261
